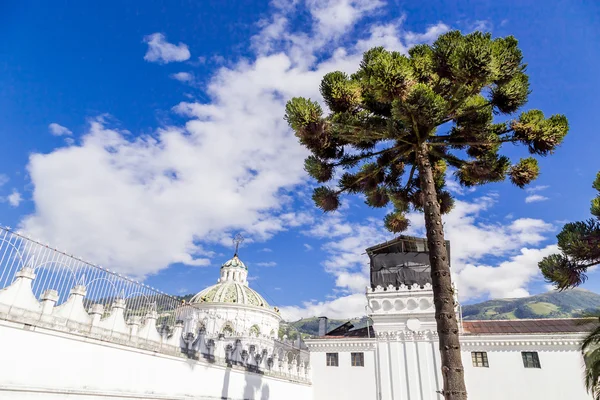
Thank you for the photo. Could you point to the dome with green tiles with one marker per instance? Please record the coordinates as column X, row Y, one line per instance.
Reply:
column 232, row 287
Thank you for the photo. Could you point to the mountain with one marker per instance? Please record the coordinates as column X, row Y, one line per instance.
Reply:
column 567, row 304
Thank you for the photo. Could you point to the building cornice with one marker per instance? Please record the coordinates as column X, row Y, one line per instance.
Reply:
column 341, row 344
column 566, row 340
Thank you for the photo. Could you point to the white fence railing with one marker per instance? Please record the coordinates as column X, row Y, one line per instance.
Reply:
column 58, row 273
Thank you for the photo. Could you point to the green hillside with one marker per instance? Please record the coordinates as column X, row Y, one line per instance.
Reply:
column 567, row 304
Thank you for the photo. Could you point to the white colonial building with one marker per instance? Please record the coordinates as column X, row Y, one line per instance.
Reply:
column 398, row 357
column 72, row 330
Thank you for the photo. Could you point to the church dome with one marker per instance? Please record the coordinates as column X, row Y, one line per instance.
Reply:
column 232, row 287
column 230, row 292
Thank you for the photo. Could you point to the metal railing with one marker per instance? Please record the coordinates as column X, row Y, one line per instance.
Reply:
column 61, row 272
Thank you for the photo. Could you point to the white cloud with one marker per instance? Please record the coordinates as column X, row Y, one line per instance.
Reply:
column 343, row 307
column 537, row 188
column 482, row 25
column 333, row 18
column 307, row 247
column 429, row 36
column 535, row 198
column 163, row 52
column 183, row 77
column 506, row 280
column 59, row 130
column 266, row 264
column 14, row 199
column 266, row 250
column 3, row 180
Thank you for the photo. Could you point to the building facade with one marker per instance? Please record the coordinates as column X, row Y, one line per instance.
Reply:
column 398, row 358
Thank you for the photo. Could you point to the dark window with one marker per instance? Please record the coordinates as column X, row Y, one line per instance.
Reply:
column 531, row 359
column 479, row 359
column 358, row 359
column 332, row 359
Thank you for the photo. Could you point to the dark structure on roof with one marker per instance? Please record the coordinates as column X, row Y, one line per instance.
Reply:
column 404, row 260
column 347, row 330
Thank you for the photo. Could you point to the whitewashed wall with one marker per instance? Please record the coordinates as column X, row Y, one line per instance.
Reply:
column 38, row 363
column 559, row 378
column 343, row 381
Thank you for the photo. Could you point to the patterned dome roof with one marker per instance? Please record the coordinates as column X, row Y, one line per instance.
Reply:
column 230, row 292
column 235, row 262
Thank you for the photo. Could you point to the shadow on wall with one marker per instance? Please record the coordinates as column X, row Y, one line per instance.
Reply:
column 255, row 386
column 225, row 390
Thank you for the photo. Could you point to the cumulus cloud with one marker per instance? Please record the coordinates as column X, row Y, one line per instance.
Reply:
column 506, row 280
column 163, row 52
column 59, row 130
column 343, row 307
column 266, row 264
column 534, row 198
column 14, row 199
column 183, row 77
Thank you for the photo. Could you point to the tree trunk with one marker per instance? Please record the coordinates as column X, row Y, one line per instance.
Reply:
column 443, row 292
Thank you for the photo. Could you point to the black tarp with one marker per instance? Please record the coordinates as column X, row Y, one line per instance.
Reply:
column 404, row 260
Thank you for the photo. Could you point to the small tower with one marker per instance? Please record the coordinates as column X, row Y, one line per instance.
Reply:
column 235, row 270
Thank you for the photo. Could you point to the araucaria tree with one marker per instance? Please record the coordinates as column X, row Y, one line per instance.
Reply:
column 397, row 123
column 579, row 244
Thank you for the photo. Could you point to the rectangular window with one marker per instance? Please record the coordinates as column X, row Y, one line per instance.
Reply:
column 332, row 359
column 531, row 359
column 479, row 359
column 358, row 359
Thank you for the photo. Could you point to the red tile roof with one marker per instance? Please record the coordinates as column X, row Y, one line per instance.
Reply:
column 527, row 326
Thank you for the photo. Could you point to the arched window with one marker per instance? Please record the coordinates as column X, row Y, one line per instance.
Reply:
column 254, row 330
column 227, row 329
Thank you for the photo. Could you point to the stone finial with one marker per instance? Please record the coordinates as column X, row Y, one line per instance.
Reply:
column 134, row 324
column 96, row 312
column 79, row 290
column 49, row 299
column 26, row 273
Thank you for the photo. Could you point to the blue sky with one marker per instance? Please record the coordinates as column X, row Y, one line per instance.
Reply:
column 144, row 136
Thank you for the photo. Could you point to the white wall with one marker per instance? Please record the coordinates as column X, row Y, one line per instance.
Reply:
column 343, row 381
column 559, row 378
column 37, row 363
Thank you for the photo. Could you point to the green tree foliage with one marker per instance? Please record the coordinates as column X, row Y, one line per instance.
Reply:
column 590, row 349
column 579, row 244
column 395, row 126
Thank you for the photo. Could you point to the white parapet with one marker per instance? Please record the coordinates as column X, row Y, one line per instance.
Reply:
column 19, row 294
column 115, row 322
column 148, row 330
column 73, row 309
column 402, row 309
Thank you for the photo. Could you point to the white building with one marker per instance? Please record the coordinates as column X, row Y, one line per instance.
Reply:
column 72, row 330
column 516, row 359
